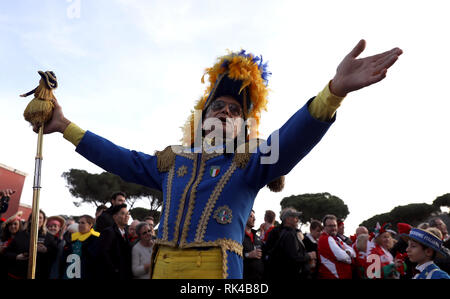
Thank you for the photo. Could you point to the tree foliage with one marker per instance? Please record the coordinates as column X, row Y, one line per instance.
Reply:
column 97, row 189
column 412, row 214
column 443, row 200
column 140, row 214
column 316, row 206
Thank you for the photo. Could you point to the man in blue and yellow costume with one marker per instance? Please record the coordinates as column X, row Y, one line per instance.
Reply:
column 211, row 181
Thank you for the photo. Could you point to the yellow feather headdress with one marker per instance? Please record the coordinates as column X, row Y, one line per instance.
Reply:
column 244, row 76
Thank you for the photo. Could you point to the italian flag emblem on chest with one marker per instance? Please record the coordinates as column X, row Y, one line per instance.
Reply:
column 214, row 171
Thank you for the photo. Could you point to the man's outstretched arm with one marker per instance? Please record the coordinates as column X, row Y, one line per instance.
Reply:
column 131, row 166
column 308, row 125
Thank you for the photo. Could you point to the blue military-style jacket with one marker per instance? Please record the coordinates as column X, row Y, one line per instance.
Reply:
column 208, row 196
column 432, row 271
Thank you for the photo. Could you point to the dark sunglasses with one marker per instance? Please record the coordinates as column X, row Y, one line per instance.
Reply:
column 146, row 232
column 218, row 105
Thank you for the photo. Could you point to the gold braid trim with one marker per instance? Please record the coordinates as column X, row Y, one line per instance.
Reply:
column 183, row 199
column 167, row 202
column 206, row 215
column 166, row 159
column 187, row 220
column 224, row 263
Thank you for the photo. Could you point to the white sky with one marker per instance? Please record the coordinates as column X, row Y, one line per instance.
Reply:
column 130, row 71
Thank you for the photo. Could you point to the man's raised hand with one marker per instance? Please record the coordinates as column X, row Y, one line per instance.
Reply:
column 355, row 73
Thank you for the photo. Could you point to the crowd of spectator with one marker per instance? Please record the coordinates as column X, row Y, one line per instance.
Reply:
column 325, row 252
column 103, row 247
column 109, row 246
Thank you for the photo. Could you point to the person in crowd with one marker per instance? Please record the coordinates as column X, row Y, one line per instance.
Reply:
column 18, row 250
column 100, row 209
column 442, row 261
column 142, row 251
column 335, row 256
column 105, row 219
column 285, row 252
column 380, row 260
column 360, row 247
column 81, row 252
column 115, row 249
column 310, row 241
column 252, row 249
column 399, row 251
column 439, row 224
column 423, row 247
column 10, row 228
column 268, row 225
column 212, row 214
column 359, row 230
column 70, row 221
column 56, row 226
column 151, row 221
column 341, row 233
column 132, row 235
column 5, row 196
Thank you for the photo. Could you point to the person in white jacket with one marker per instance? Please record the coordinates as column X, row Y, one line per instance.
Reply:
column 335, row 256
column 142, row 251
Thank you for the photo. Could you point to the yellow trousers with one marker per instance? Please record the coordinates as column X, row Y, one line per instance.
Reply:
column 175, row 263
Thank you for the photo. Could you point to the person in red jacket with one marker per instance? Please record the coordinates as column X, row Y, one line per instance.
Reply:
column 380, row 262
column 335, row 256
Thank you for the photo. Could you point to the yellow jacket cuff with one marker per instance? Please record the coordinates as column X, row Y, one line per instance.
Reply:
column 325, row 104
column 73, row 133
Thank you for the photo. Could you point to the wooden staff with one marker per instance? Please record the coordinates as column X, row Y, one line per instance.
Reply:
column 35, row 210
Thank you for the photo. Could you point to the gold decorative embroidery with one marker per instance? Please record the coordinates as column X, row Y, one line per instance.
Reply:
column 206, row 214
column 224, row 263
column 182, row 171
column 167, row 202
column 166, row 159
column 187, row 220
column 183, row 199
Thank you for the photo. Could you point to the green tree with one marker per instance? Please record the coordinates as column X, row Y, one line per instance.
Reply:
column 316, row 206
column 140, row 214
column 97, row 188
column 443, row 200
column 412, row 214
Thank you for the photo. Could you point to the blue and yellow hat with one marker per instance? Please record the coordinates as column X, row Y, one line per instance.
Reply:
column 426, row 238
column 241, row 75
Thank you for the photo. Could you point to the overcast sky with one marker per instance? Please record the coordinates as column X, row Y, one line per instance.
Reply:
column 130, row 71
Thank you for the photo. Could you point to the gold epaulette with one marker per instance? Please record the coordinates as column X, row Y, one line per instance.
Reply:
column 166, row 159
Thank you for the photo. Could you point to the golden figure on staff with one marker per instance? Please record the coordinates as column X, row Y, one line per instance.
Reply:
column 37, row 113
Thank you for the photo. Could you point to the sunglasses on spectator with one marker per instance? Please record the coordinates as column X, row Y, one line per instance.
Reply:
column 218, row 105
column 146, row 232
